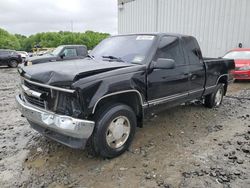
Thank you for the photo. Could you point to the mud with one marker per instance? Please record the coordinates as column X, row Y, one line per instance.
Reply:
column 186, row 146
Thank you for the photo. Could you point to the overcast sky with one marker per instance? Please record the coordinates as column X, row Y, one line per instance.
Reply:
column 32, row 16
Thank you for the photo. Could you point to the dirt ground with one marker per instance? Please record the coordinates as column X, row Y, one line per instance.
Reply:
column 186, row 146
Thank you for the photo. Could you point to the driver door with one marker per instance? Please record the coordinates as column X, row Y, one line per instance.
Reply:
column 168, row 86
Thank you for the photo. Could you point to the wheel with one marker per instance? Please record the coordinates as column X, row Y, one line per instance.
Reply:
column 215, row 99
column 114, row 131
column 13, row 63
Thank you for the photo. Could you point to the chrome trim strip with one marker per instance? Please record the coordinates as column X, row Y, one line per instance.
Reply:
column 120, row 92
column 30, row 92
column 211, row 87
column 220, row 77
column 196, row 91
column 163, row 99
column 50, row 87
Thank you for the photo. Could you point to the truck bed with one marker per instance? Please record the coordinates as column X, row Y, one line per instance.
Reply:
column 217, row 67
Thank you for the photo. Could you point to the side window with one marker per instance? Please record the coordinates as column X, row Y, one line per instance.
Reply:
column 4, row 52
column 70, row 52
column 169, row 48
column 193, row 50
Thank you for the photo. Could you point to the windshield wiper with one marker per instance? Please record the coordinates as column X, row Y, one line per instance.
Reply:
column 113, row 58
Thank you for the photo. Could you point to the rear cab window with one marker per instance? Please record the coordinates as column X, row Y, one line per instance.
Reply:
column 82, row 51
column 192, row 50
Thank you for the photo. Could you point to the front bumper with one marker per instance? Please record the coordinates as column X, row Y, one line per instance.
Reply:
column 64, row 129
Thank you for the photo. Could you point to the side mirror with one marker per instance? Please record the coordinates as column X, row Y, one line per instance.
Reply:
column 163, row 63
column 62, row 55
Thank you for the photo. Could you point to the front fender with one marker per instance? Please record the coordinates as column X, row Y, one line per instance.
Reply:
column 93, row 92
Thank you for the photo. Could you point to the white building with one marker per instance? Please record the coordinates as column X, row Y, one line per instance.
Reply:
column 219, row 25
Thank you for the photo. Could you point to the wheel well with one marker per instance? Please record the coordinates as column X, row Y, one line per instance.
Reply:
column 11, row 59
column 224, row 80
column 132, row 99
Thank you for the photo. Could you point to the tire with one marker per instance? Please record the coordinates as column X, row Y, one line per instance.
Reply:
column 116, row 122
column 13, row 63
column 215, row 99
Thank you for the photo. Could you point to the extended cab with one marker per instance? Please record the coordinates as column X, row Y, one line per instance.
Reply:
column 61, row 53
column 98, row 101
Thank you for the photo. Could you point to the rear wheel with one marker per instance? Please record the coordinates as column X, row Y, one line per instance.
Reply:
column 215, row 99
column 114, row 131
column 13, row 63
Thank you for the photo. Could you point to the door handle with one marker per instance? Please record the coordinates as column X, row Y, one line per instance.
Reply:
column 191, row 76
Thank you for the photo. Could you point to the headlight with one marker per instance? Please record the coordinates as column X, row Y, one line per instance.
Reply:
column 59, row 121
column 245, row 68
column 20, row 70
column 29, row 63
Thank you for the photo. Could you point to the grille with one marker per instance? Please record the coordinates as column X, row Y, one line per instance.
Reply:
column 33, row 100
column 37, row 88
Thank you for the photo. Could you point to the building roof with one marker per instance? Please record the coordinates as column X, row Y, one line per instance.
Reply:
column 157, row 34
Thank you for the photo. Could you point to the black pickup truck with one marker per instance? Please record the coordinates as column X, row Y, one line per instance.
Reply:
column 99, row 101
column 61, row 53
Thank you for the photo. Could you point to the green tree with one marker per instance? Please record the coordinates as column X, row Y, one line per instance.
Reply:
column 8, row 41
column 21, row 39
column 50, row 39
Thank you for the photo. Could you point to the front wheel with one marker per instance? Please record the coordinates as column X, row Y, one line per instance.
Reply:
column 114, row 131
column 13, row 63
column 215, row 99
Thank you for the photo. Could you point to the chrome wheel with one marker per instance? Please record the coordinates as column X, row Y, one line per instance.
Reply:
column 118, row 132
column 218, row 97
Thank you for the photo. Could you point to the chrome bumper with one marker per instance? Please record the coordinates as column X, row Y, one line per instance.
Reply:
column 64, row 125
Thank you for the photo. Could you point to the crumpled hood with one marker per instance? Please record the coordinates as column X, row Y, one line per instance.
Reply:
column 65, row 72
column 42, row 59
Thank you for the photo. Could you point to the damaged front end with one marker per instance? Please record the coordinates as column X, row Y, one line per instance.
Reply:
column 62, row 101
column 55, row 112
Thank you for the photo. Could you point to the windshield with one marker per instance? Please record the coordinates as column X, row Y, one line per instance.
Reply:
column 131, row 48
column 57, row 51
column 238, row 55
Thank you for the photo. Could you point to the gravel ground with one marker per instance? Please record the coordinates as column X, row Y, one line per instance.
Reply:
column 186, row 146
